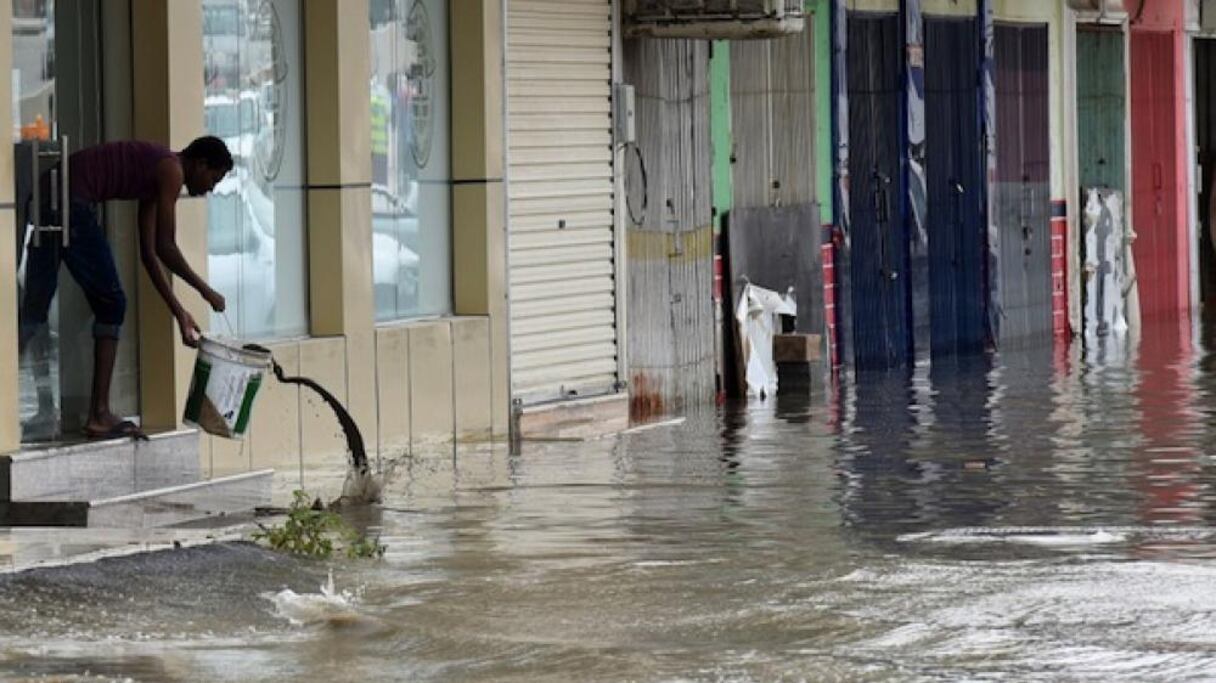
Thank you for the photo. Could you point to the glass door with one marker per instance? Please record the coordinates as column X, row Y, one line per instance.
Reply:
column 56, row 109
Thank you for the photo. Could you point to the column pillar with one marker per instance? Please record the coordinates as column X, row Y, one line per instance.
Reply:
column 338, row 102
column 479, row 239
column 167, row 65
column 10, row 380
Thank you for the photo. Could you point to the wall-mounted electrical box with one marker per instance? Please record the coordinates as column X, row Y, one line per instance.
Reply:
column 624, row 114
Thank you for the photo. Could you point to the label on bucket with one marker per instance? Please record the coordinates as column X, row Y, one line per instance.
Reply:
column 221, row 396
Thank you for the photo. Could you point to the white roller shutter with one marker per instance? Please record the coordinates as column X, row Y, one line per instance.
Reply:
column 561, row 196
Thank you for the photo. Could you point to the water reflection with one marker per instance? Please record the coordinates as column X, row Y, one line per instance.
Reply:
column 1030, row 515
column 1165, row 468
column 918, row 446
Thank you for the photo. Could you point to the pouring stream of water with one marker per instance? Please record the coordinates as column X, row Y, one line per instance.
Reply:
column 361, row 485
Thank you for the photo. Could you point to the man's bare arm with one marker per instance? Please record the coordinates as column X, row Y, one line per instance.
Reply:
column 147, row 254
column 169, row 186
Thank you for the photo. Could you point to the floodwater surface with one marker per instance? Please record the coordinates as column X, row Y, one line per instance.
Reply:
column 1029, row 516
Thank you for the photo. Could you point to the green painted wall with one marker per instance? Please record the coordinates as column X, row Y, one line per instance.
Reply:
column 719, row 126
column 1101, row 109
column 821, row 24
column 720, row 116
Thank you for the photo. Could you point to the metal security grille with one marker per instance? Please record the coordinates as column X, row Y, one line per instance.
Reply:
column 879, row 244
column 561, row 191
column 954, row 187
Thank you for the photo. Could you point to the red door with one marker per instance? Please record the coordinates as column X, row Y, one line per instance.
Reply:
column 1160, row 246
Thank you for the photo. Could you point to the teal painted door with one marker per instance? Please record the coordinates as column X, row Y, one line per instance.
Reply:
column 1101, row 109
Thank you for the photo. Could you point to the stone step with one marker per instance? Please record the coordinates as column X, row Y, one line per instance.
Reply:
column 211, row 499
column 238, row 494
column 99, row 470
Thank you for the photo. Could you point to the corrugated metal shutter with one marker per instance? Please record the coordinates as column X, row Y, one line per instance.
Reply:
column 878, row 245
column 561, row 194
column 955, row 183
column 772, row 92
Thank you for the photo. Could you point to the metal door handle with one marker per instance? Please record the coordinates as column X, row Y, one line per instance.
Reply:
column 59, row 186
column 36, row 194
column 65, row 213
column 882, row 209
column 1027, row 212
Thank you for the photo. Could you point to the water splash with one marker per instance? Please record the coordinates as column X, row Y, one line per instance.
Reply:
column 330, row 606
column 361, row 486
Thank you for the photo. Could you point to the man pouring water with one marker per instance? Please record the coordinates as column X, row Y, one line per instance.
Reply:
column 153, row 175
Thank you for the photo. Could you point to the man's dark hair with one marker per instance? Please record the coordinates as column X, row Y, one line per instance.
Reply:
column 211, row 151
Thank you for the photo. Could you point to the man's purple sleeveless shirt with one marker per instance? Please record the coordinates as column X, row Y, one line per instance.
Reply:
column 117, row 170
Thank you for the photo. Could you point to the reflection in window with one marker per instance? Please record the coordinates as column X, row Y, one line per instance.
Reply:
column 33, row 68
column 411, row 170
column 33, row 74
column 255, row 217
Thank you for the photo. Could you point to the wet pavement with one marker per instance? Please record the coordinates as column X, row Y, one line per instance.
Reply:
column 26, row 548
column 1034, row 516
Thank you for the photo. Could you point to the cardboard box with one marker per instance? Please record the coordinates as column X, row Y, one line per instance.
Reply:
column 797, row 348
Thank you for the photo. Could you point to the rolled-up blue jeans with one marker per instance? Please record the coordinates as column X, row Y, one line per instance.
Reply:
column 90, row 261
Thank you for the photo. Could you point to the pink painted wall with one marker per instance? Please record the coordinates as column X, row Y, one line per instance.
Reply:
column 1157, row 15
column 1159, row 194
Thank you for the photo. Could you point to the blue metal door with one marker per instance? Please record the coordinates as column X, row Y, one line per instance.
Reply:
column 954, row 160
column 879, row 245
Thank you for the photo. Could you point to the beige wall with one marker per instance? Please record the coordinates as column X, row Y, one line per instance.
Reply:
column 411, row 386
column 873, row 5
column 1026, row 10
column 964, row 8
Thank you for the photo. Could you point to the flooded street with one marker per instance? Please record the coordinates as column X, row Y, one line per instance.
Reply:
column 1028, row 517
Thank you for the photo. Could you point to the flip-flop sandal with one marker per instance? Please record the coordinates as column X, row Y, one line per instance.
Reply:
column 118, row 430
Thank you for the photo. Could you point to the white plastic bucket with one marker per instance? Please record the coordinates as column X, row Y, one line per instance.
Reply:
column 225, row 384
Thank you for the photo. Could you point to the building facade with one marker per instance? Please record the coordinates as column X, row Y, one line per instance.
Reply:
column 361, row 236
column 473, row 217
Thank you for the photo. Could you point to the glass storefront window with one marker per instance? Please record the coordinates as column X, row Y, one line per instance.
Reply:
column 256, row 241
column 411, row 165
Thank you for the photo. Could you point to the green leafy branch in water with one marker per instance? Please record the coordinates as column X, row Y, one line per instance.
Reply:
column 311, row 530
